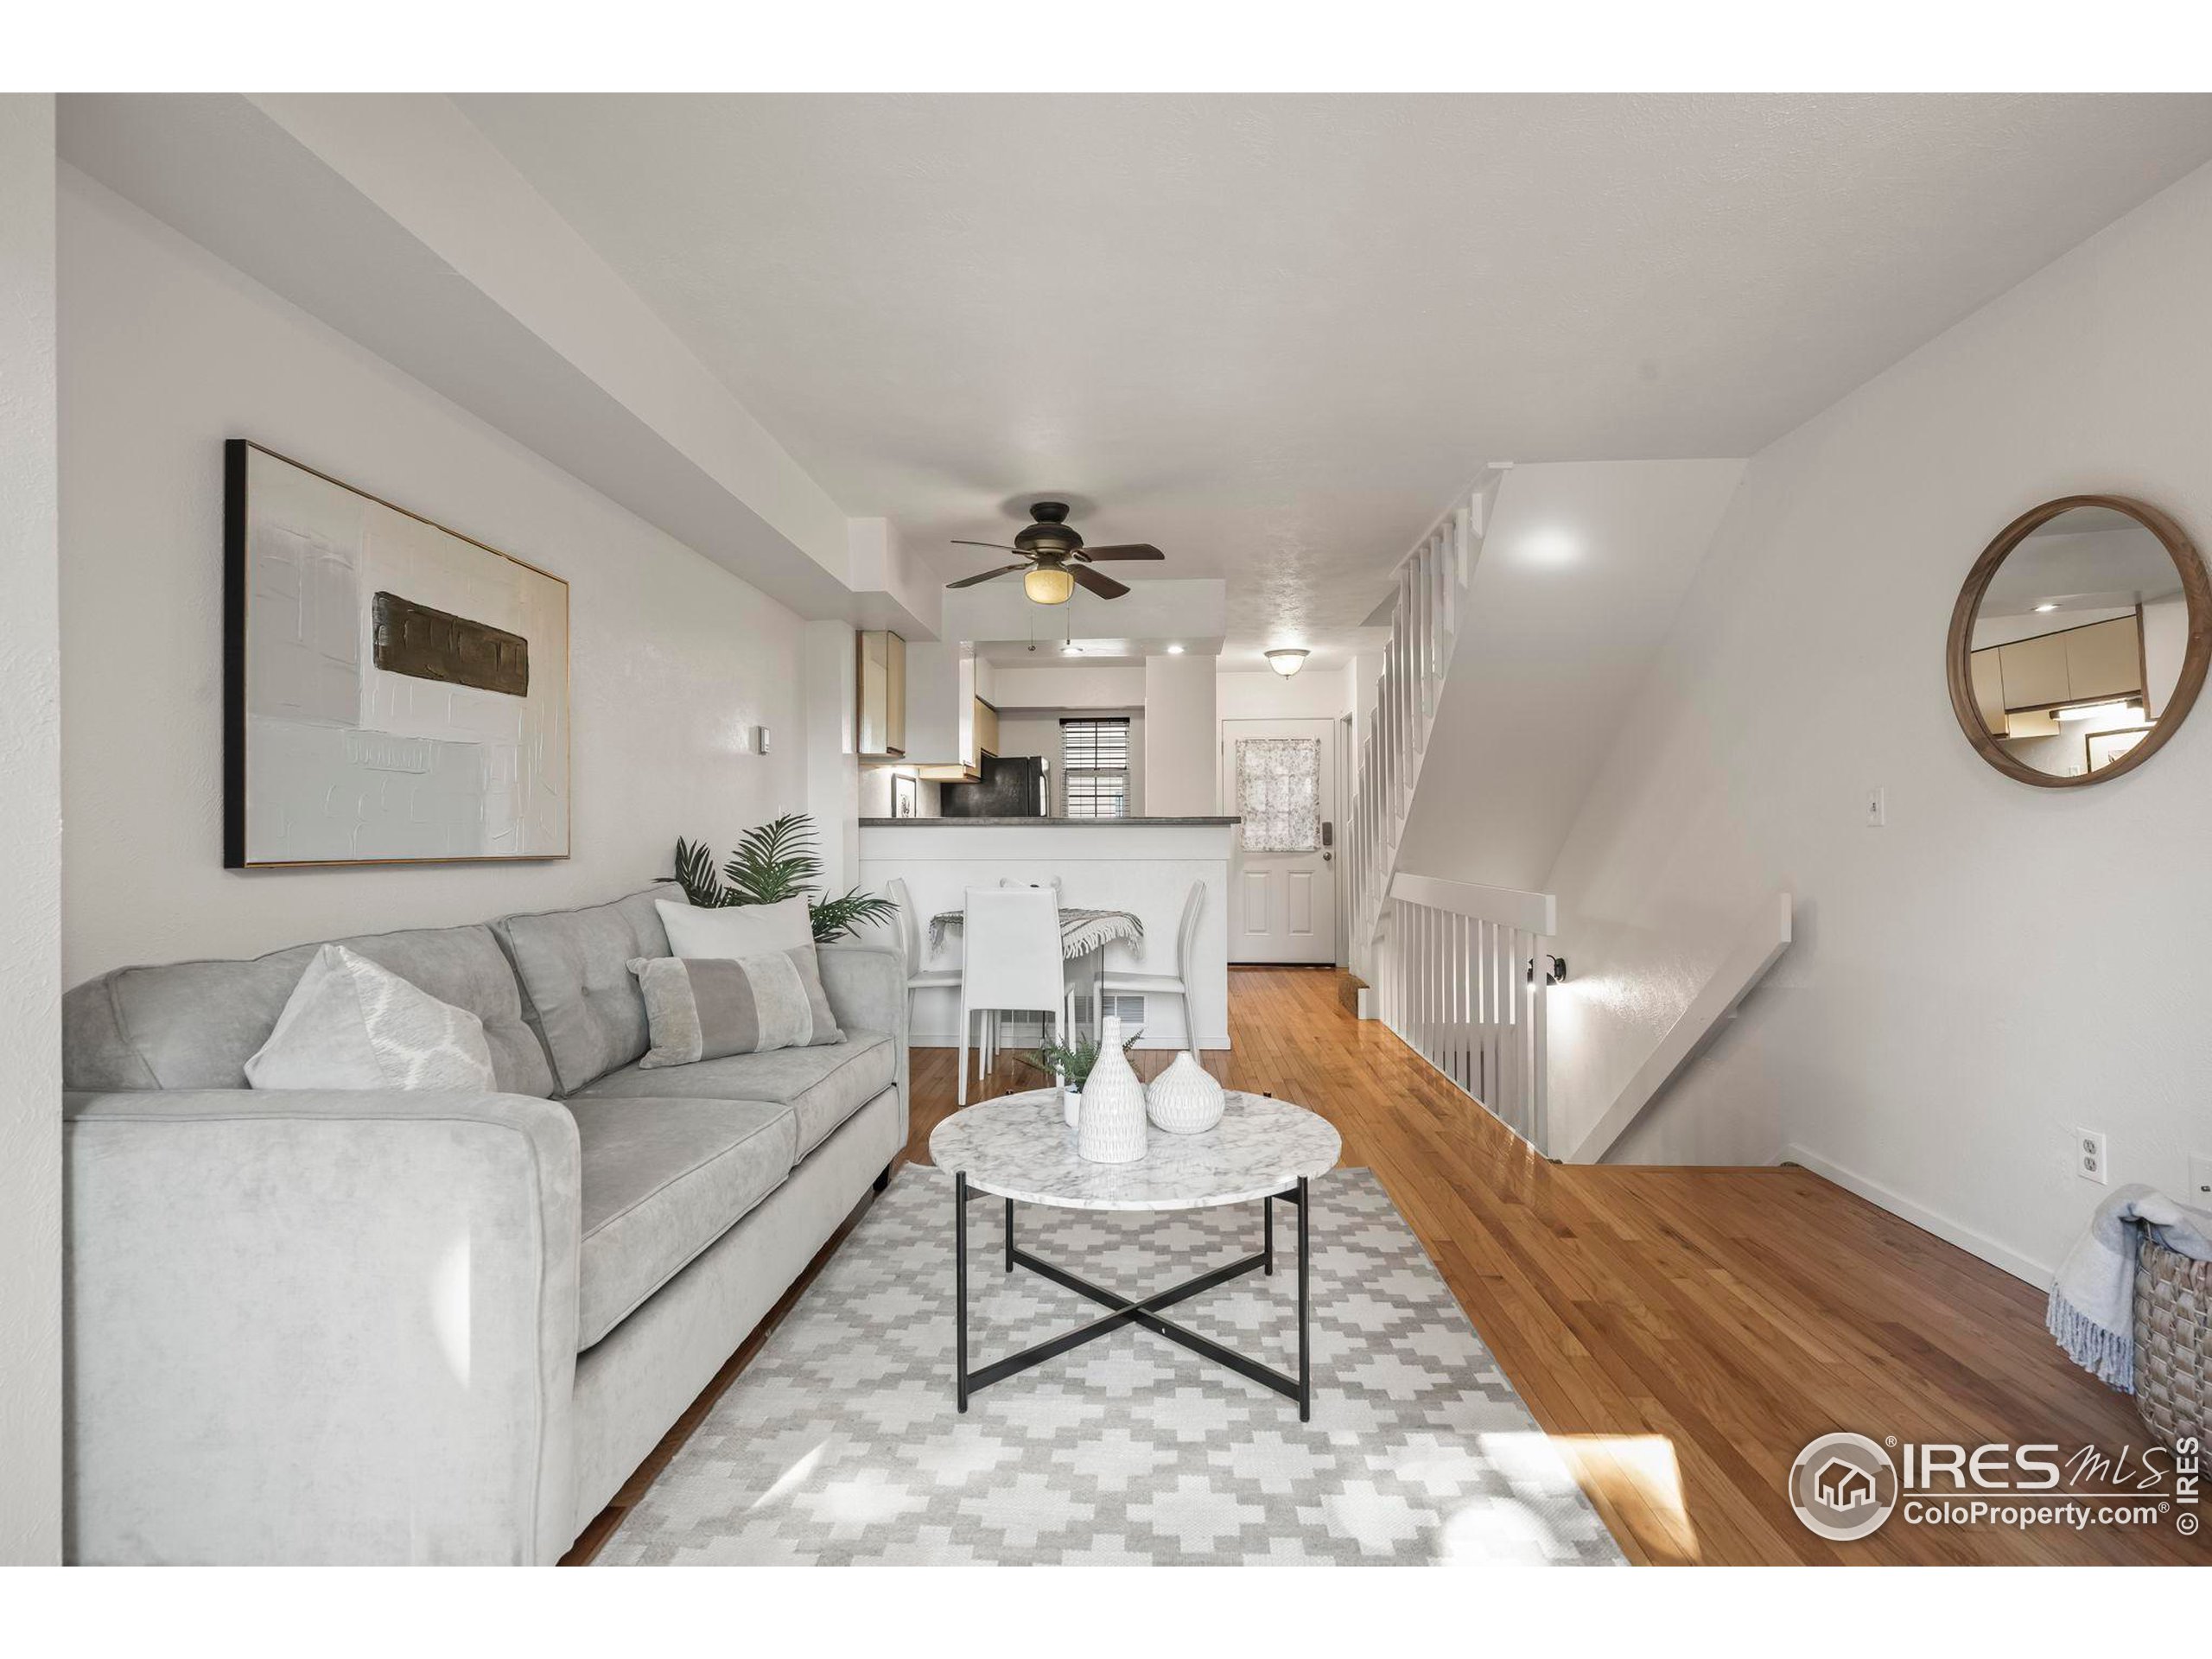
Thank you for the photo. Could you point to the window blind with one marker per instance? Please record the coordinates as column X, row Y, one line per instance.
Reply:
column 1095, row 762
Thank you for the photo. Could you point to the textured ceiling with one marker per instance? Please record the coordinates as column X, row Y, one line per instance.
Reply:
column 1275, row 335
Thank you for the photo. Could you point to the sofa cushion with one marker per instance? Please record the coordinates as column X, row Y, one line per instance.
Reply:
column 822, row 1086
column 662, row 1179
column 193, row 1025
column 350, row 1024
column 701, row 1009
column 577, row 987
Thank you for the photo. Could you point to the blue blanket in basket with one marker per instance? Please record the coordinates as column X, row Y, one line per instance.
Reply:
column 2093, row 1299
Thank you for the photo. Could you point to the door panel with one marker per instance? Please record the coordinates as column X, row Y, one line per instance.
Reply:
column 1254, row 911
column 1284, row 900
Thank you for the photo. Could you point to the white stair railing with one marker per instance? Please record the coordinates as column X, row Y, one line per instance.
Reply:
column 1425, row 625
column 1461, row 981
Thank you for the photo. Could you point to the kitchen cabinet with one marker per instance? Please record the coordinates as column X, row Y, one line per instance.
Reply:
column 2104, row 659
column 1988, row 689
column 879, row 657
column 2035, row 671
column 987, row 731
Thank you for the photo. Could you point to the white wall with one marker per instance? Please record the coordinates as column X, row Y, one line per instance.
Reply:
column 1181, row 736
column 1049, row 685
column 2000, row 962
column 30, row 833
column 166, row 352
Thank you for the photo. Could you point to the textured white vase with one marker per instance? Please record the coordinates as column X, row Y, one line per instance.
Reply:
column 1111, row 1129
column 1184, row 1099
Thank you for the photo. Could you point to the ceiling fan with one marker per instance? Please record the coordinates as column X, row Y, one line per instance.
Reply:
column 1054, row 559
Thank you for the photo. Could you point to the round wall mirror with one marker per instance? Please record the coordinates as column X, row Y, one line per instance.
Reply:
column 2080, row 640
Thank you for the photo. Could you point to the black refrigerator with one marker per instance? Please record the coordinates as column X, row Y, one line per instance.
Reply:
column 1011, row 786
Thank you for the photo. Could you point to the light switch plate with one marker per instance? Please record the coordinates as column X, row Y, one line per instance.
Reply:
column 760, row 740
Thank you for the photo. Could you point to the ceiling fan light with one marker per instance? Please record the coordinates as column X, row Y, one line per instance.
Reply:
column 1048, row 584
column 1286, row 660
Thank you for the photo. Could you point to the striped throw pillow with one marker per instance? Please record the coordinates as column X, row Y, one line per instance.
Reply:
column 701, row 1009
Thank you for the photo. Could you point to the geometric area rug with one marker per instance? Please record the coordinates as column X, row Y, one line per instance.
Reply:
column 840, row 1443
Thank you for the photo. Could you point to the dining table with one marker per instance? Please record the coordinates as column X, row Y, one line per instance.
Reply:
column 1084, row 932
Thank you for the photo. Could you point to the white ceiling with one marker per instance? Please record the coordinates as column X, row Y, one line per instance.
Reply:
column 1275, row 335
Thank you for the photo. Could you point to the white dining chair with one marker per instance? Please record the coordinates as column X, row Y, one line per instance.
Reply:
column 1011, row 961
column 1117, row 983
column 918, row 978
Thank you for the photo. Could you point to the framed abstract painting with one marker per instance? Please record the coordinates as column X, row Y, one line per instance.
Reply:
column 394, row 693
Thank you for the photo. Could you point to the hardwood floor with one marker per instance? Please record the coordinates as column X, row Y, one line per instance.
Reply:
column 1681, row 1333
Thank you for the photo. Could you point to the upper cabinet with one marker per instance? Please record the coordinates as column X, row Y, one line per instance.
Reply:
column 2035, row 671
column 881, row 659
column 987, row 730
column 2104, row 659
column 2032, row 676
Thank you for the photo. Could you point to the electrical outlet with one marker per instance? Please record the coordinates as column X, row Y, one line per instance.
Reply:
column 2200, row 1179
column 2089, row 1155
column 1878, row 808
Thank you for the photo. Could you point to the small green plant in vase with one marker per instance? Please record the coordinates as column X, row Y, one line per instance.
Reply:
column 1070, row 1063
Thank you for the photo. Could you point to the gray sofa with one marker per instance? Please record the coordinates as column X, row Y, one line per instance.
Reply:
column 364, row 1326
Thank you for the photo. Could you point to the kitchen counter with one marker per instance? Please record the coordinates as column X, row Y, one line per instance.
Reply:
column 1031, row 823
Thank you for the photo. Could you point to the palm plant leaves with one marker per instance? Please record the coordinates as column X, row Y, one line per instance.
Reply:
column 835, row 918
column 695, row 872
column 773, row 863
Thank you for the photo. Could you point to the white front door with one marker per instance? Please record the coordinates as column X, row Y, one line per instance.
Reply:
column 1280, row 777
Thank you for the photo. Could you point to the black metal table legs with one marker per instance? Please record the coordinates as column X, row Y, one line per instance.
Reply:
column 1145, row 1312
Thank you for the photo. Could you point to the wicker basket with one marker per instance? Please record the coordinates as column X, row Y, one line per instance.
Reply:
column 2173, row 1342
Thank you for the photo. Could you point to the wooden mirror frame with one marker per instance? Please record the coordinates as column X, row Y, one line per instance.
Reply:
column 2194, row 586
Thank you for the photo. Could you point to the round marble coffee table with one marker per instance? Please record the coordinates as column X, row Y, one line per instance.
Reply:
column 1018, row 1148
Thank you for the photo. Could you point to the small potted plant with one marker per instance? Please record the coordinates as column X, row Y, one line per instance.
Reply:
column 1069, row 1065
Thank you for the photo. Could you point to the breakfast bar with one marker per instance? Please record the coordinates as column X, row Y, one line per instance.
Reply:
column 1145, row 866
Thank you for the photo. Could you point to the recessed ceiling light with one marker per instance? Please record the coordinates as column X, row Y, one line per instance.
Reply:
column 2046, row 607
column 1174, row 650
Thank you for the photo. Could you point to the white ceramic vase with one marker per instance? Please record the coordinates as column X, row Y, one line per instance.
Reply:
column 1071, row 1105
column 1110, row 1127
column 1184, row 1099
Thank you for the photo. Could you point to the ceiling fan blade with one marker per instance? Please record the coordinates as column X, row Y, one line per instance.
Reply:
column 1126, row 551
column 988, row 576
column 1003, row 547
column 1105, row 587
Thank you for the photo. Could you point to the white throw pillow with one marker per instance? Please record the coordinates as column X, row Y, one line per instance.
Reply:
column 352, row 1024
column 732, row 932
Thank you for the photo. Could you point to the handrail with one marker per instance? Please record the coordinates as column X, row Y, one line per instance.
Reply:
column 1531, row 913
column 1761, row 944
column 1426, row 620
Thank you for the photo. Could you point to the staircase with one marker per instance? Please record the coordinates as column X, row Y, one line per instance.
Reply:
column 1453, row 968
column 1425, row 623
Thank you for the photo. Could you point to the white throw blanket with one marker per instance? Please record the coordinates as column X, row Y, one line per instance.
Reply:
column 2092, row 1301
